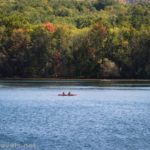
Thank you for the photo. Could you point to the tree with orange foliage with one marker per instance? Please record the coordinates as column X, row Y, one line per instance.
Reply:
column 50, row 27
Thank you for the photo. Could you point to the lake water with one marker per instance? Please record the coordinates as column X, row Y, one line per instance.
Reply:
column 104, row 115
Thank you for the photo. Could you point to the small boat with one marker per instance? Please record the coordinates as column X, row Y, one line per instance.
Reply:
column 67, row 94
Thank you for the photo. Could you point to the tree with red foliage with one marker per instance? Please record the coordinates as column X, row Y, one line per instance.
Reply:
column 50, row 27
column 57, row 57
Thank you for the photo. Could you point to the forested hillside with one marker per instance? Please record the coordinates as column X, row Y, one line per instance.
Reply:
column 75, row 38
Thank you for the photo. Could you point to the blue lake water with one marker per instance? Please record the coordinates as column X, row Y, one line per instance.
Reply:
column 104, row 116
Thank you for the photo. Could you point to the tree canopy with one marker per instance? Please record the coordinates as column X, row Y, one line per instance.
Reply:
column 74, row 38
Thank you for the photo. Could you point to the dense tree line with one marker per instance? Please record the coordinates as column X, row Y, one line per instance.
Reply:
column 69, row 38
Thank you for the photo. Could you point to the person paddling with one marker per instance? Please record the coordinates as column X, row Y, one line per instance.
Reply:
column 69, row 93
column 63, row 94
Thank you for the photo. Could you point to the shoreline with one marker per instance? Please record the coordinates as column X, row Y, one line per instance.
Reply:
column 76, row 79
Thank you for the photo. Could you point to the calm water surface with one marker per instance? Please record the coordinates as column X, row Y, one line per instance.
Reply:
column 104, row 116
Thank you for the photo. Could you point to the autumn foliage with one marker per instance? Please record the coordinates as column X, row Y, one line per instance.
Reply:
column 49, row 26
column 74, row 39
column 57, row 57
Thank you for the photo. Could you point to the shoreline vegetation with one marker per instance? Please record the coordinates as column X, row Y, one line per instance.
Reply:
column 102, row 39
column 74, row 79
